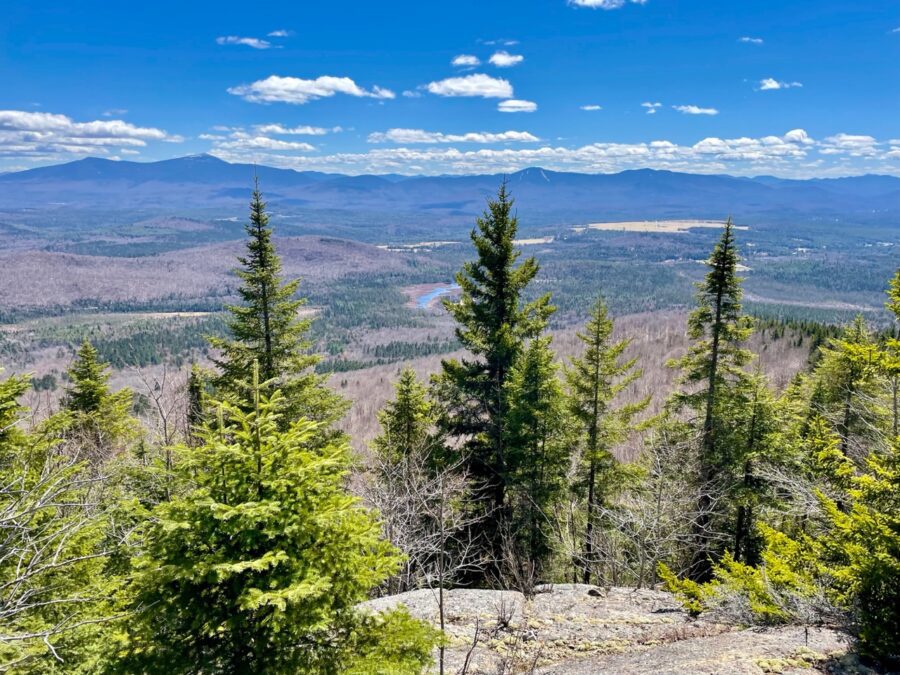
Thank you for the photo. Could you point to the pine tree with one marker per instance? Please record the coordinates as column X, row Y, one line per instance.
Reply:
column 594, row 380
column 493, row 323
column 714, row 362
column 99, row 417
column 267, row 329
column 260, row 566
column 538, row 441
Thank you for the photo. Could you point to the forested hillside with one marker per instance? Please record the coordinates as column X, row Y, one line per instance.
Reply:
column 233, row 514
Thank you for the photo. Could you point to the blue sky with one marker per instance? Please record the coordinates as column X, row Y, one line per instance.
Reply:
column 792, row 88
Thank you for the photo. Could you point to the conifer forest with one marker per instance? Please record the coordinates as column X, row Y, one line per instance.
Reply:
column 224, row 518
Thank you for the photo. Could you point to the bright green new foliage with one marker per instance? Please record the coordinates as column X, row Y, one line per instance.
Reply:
column 266, row 328
column 100, row 417
column 891, row 356
column 848, row 383
column 54, row 596
column 260, row 566
column 851, row 559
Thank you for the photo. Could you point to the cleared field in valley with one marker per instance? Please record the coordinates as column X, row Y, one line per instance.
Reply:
column 660, row 226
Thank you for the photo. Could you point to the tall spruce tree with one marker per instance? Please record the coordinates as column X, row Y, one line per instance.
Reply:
column 493, row 323
column 538, row 439
column 756, row 434
column 100, row 417
column 594, row 380
column 267, row 329
column 259, row 564
column 196, row 395
column 713, row 365
column 848, row 388
column 407, row 422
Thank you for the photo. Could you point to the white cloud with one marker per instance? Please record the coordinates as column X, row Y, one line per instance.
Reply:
column 128, row 151
column 790, row 154
column 751, row 40
column 504, row 59
column 695, row 110
column 281, row 130
column 240, row 141
column 798, row 136
column 256, row 43
column 275, row 89
column 516, row 105
column 115, row 112
column 280, row 33
column 850, row 144
column 243, row 141
column 592, row 107
column 465, row 60
column 472, row 85
column 605, row 4
column 41, row 135
column 896, row 30
column 651, row 107
column 771, row 84
column 411, row 136
column 412, row 93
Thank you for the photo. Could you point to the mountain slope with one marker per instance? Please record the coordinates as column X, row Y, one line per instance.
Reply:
column 203, row 181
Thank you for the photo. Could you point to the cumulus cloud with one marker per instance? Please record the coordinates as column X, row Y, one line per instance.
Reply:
column 798, row 136
column 504, row 59
column 591, row 107
column 516, row 105
column 472, row 85
column 695, row 110
column 243, row 141
column 750, row 40
column 239, row 141
column 305, row 130
column 466, row 60
column 256, row 43
column 415, row 136
column 275, row 89
column 605, row 4
column 790, row 154
column 771, row 84
column 850, row 144
column 280, row 33
column 42, row 135
column 651, row 107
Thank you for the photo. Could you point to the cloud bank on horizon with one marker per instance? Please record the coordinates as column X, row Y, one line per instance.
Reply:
column 680, row 90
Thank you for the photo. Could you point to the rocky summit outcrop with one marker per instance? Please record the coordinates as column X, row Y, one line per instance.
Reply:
column 582, row 630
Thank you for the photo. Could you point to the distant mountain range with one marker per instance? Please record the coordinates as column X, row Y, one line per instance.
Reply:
column 205, row 182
